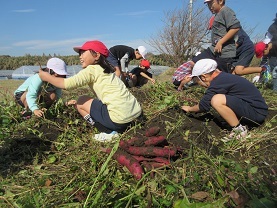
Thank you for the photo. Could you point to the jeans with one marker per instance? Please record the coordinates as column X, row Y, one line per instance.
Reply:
column 273, row 66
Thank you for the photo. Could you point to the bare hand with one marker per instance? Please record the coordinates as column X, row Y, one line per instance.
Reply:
column 153, row 81
column 185, row 108
column 71, row 102
column 44, row 75
column 218, row 47
column 39, row 113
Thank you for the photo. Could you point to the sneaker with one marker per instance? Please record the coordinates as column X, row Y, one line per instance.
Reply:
column 104, row 137
column 26, row 114
column 265, row 74
column 129, row 82
column 238, row 133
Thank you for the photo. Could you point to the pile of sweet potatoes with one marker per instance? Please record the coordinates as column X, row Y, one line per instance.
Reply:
column 140, row 154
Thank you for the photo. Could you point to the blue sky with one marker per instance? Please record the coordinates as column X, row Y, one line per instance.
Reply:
column 56, row 26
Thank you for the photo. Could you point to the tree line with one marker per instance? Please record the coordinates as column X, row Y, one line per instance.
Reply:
column 11, row 63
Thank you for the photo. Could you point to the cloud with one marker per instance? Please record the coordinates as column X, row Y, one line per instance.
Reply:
column 24, row 10
column 138, row 13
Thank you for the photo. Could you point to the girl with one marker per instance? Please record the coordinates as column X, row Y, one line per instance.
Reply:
column 115, row 107
column 34, row 88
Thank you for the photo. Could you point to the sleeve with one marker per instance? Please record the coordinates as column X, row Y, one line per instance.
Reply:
column 231, row 20
column 58, row 93
column 84, row 77
column 124, row 62
column 32, row 93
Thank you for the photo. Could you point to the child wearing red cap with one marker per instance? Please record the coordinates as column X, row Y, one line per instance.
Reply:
column 115, row 108
column 140, row 75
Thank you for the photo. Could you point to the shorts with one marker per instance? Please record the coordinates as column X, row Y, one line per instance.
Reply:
column 17, row 97
column 113, row 60
column 244, row 59
column 100, row 115
column 222, row 63
column 244, row 110
column 177, row 83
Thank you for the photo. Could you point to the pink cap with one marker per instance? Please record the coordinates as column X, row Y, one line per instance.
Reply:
column 94, row 45
column 259, row 49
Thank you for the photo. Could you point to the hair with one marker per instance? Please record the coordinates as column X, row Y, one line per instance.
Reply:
column 103, row 62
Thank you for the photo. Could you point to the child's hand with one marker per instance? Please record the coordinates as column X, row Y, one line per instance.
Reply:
column 218, row 47
column 185, row 108
column 71, row 102
column 44, row 75
column 153, row 81
column 38, row 112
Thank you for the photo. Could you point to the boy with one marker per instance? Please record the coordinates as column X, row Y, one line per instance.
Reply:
column 140, row 75
column 267, row 51
column 224, row 28
column 182, row 75
column 34, row 89
column 121, row 55
column 233, row 97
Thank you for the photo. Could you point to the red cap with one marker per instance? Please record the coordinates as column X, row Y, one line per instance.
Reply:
column 211, row 21
column 94, row 45
column 259, row 49
column 145, row 63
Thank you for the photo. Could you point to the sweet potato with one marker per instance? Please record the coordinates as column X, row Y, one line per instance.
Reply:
column 153, row 131
column 128, row 161
column 136, row 141
column 154, row 140
column 153, row 165
column 152, row 151
column 154, row 159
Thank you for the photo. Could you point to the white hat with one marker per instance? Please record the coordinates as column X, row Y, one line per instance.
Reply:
column 203, row 66
column 205, row 1
column 142, row 51
column 57, row 65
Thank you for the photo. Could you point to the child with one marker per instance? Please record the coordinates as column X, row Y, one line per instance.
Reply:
column 34, row 88
column 267, row 51
column 182, row 75
column 233, row 97
column 115, row 108
column 121, row 55
column 224, row 28
column 140, row 75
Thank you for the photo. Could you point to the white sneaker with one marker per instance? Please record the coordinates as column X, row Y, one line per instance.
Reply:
column 104, row 137
column 238, row 133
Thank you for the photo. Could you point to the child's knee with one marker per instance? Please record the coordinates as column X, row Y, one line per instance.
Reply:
column 218, row 100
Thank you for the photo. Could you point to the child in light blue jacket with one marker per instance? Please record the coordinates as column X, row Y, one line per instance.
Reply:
column 34, row 90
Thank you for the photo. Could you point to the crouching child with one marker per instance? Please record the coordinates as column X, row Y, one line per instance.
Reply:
column 233, row 97
column 182, row 75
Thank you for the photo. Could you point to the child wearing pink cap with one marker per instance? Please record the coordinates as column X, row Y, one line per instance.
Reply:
column 114, row 108
column 140, row 75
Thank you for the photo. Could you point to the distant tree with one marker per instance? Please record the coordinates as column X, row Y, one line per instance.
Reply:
column 180, row 38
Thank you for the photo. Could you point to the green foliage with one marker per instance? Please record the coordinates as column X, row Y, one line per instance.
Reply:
column 54, row 162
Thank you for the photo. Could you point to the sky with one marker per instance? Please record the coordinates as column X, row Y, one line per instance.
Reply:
column 56, row 26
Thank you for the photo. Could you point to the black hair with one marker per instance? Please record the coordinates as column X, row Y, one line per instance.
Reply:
column 104, row 63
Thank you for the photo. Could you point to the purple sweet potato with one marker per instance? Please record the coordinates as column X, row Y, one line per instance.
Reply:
column 153, row 159
column 154, row 140
column 153, row 131
column 128, row 161
column 152, row 151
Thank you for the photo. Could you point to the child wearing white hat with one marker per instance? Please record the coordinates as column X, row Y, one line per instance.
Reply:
column 34, row 89
column 235, row 98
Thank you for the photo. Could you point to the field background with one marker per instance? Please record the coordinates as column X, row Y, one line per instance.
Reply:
column 54, row 161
